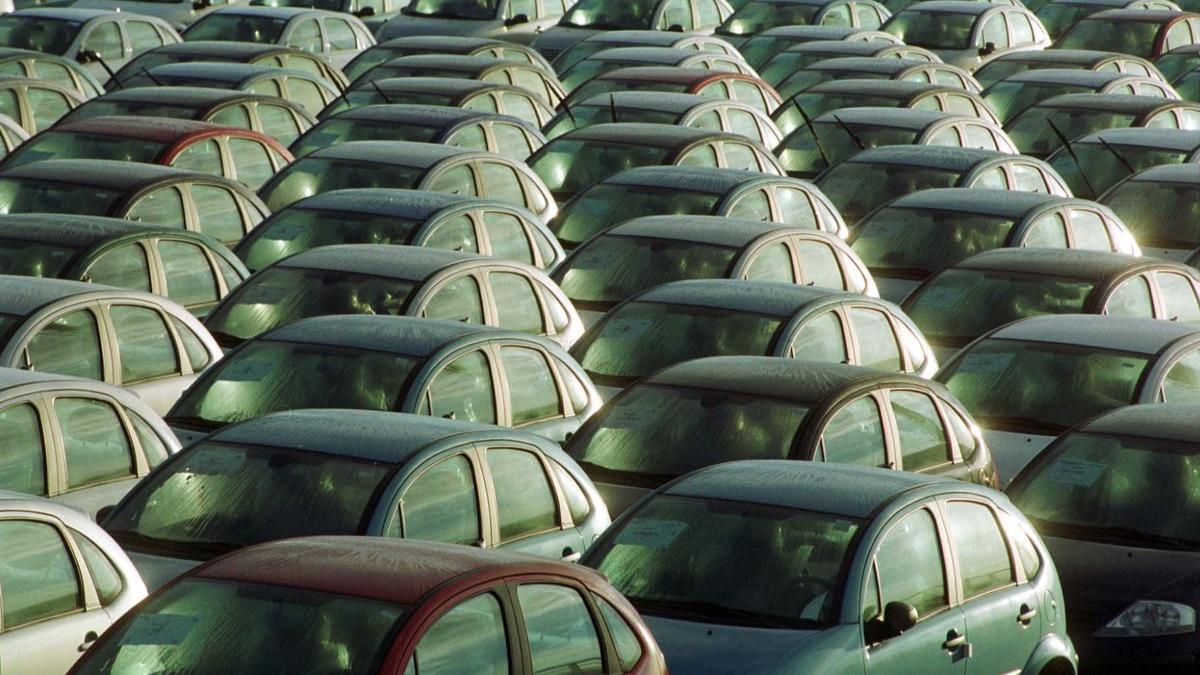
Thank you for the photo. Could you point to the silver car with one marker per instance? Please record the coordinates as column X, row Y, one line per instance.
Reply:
column 968, row 34
column 515, row 20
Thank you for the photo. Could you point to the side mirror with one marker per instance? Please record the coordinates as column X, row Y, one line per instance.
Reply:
column 516, row 20
column 364, row 12
column 900, row 616
column 987, row 48
column 675, row 28
column 104, row 513
column 86, row 56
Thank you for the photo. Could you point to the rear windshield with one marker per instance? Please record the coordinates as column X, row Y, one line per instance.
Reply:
column 237, row 28
column 915, row 243
column 1159, row 214
column 569, row 165
column 612, row 268
column 35, row 259
column 30, row 195
column 315, row 175
column 294, row 230
column 72, row 145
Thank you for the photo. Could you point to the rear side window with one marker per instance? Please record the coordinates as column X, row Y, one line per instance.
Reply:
column 855, row 435
column 144, row 343
column 217, row 213
column 441, row 650
column 68, row 345
column 38, row 574
column 442, row 504
column 190, row 279
column 982, row 553
column 525, row 504
column 562, row 634
column 629, row 648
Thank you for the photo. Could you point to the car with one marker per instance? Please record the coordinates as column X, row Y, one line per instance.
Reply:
column 611, row 59
column 385, row 606
column 915, row 236
column 292, row 58
column 718, row 409
column 54, row 69
column 610, row 39
column 374, row 13
column 990, row 289
column 968, row 34
column 1083, row 59
column 237, row 154
column 1175, row 63
column 532, row 78
column 396, row 280
column 402, row 164
column 852, row 93
column 639, row 254
column 1138, row 32
column 282, row 120
column 1016, row 93
column 504, row 99
column 699, row 191
column 1031, row 380
column 575, row 160
column 821, row 551
column 761, row 47
column 96, row 38
column 1058, row 16
column 1113, row 154
column 684, row 320
column 66, row 583
column 876, row 176
column 781, row 66
column 356, row 472
column 409, row 217
column 145, row 343
column 80, row 443
column 337, row 36
column 148, row 193
column 746, row 89
column 470, row 372
column 835, row 136
column 519, row 21
column 35, row 104
column 413, row 45
column 1041, row 129
column 310, row 92
column 866, row 67
column 1160, row 204
column 588, row 17
column 192, row 269
column 656, row 107
column 1137, row 610
column 502, row 134
column 757, row 16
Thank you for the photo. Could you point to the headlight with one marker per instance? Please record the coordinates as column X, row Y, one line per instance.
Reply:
column 1146, row 618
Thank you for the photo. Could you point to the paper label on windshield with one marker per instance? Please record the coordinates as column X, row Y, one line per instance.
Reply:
column 247, row 369
column 627, row 329
column 219, row 462
column 1078, row 472
column 159, row 629
column 657, row 534
column 986, row 363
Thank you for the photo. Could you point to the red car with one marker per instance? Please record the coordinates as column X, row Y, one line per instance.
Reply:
column 358, row 605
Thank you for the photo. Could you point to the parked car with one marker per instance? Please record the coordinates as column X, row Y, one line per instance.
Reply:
column 1016, row 93
column 821, row 552
column 732, row 86
column 1137, row 32
column 60, row 70
column 1113, row 154
column 504, row 99
column 781, row 66
column 610, row 39
column 65, row 581
column 762, row 46
column 515, row 20
column 385, row 607
column 1041, row 129
column 866, row 67
column 292, row 58
column 96, row 38
column 310, row 92
column 1160, row 205
column 35, row 105
column 853, row 93
column 1082, row 59
column 968, row 34
column 588, row 17
column 532, row 78
column 337, row 36
column 412, row 45
column 757, row 16
column 1059, row 16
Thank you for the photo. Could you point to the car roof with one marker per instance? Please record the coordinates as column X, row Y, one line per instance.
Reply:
column 462, row 62
column 786, row 379
column 1169, row 173
column 410, row 336
column 952, row 6
column 840, row 489
column 465, row 43
column 872, row 87
column 218, row 71
column 867, row 64
column 410, row 263
column 758, row 297
column 1170, row 139
column 425, row 115
column 1069, row 56
column 931, row 156
column 1141, row 15
column 712, row 180
column 1066, row 76
column 224, row 49
column 1167, row 421
column 657, row 135
column 899, row 118
column 156, row 129
column 671, row 75
column 445, row 86
column 269, row 11
column 1142, row 336
column 647, row 37
column 21, row 296
column 401, row 153
column 647, row 53
column 987, row 201
column 716, row 230
column 1120, row 103
column 75, row 231
column 16, row 377
column 394, row 202
column 109, row 174
column 1097, row 266
column 666, row 101
column 193, row 96
column 67, row 13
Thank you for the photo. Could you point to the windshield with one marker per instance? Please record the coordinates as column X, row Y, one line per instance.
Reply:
column 1008, row 99
column 609, row 15
column 203, row 626
column 236, row 27
column 915, row 243
column 24, row 258
column 640, row 338
column 40, row 34
column 315, row 175
column 294, row 230
column 1135, row 38
column 453, row 9
column 1059, row 16
column 71, row 145
column 611, row 268
column 933, row 30
column 269, row 376
column 281, row 295
column 998, row 69
column 604, row 205
column 220, row 497
column 1106, row 165
column 567, row 166
column 652, row 434
column 1136, row 490
column 1159, row 214
column 1039, row 387
column 784, row 64
column 805, row 156
column 585, row 116
column 29, row 195
column 959, row 305
column 1034, row 130
column 334, row 131
column 755, row 17
column 727, row 562
column 814, row 104
column 857, row 188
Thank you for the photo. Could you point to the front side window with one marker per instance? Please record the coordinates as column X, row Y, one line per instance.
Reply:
column 561, row 631
column 855, row 435
column 94, row 438
column 1182, row 383
column 525, row 502
column 910, row 565
column 455, row 234
column 38, row 575
column 463, row 390
column 922, row 437
column 105, row 40
column 442, row 504
column 68, row 345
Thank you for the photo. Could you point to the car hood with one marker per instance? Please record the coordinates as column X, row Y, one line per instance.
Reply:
column 1012, row 450
column 403, row 25
column 699, row 648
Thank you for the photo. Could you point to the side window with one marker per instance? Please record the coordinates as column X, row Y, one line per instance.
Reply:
column 501, row 183
column 1089, row 230
column 341, row 34
column 102, row 570
column 161, row 207
column 877, row 345
column 855, row 435
column 676, row 16
column 1179, row 297
column 629, row 648
column 9, row 104
column 525, row 503
column 278, row 122
column 868, row 17
column 1182, row 384
column 507, row 237
column 795, row 208
column 962, row 434
column 946, row 137
column 514, row 103
column 995, row 32
column 217, row 213
column 142, row 36
column 443, row 650
column 68, row 345
column 463, row 390
column 911, row 570
column 517, row 304
column 707, row 14
column 562, row 634
column 233, row 116
column 46, row 107
column 251, row 161
column 1047, row 232
column 202, row 157
column 196, row 352
column 979, row 136
column 738, row 156
column 922, row 438
column 266, row 87
column 1028, row 179
column 819, row 265
column 471, row 137
column 123, row 267
column 742, row 122
column 1027, row 553
column 456, row 181
column 105, row 40
column 511, row 141
column 190, row 279
column 96, row 446
column 23, row 462
column 983, row 559
column 748, row 93
column 442, row 504
column 307, row 36
column 1132, row 298
column 38, row 574
column 526, row 7
column 458, row 300
column 1178, row 36
column 710, row 120
column 838, row 15
column 146, row 348
column 752, row 206
column 1022, row 29
column 821, row 339
column 993, row 179
column 456, row 234
column 531, row 385
column 304, row 93
column 773, row 263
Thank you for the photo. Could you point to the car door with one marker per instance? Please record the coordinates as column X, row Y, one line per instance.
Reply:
column 23, row 464
column 148, row 358
column 100, row 462
column 855, row 434
column 527, row 510
column 66, row 344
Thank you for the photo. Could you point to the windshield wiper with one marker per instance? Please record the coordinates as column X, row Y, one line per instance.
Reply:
column 716, row 613
column 197, row 550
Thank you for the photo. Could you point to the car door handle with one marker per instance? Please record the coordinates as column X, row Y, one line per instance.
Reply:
column 570, row 555
column 954, row 640
column 1026, row 615
column 88, row 640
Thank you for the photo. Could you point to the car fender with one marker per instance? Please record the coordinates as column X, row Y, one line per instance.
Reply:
column 1052, row 646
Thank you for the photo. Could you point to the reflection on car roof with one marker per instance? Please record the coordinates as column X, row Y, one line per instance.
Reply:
column 658, row 135
column 1168, row 421
column 108, row 174
column 931, row 156
column 1096, row 266
column 411, row 263
column 1120, row 103
column 22, row 296
column 757, row 297
column 1169, row 139
column 1142, row 336
column 76, row 231
column 410, row 336
column 416, row 205
column 695, row 179
column 1012, row 204
column 401, row 153
column 717, row 230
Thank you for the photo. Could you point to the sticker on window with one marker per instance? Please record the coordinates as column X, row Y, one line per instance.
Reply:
column 159, row 629
column 627, row 329
column 1078, row 472
column 986, row 363
column 247, row 369
column 651, row 533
